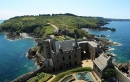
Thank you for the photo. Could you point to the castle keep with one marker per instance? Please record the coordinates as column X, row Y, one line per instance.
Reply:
column 68, row 53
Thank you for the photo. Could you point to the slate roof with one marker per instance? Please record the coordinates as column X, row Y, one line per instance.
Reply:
column 64, row 45
column 101, row 61
column 92, row 43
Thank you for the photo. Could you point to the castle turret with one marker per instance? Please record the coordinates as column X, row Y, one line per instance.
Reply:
column 47, row 48
column 76, row 44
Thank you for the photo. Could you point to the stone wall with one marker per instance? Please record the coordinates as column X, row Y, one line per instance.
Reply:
column 27, row 76
column 84, row 50
column 92, row 51
column 97, row 70
column 122, row 77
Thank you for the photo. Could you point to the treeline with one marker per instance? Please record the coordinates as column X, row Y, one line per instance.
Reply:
column 39, row 23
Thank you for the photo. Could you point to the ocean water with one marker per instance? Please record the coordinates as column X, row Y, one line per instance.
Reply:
column 1, row 21
column 13, row 60
column 121, row 36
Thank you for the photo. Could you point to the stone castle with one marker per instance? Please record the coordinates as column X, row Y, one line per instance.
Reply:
column 68, row 53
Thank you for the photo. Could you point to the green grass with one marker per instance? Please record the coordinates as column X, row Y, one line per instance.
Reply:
column 40, row 77
column 40, row 26
column 59, row 38
column 61, row 75
column 48, row 30
column 29, row 18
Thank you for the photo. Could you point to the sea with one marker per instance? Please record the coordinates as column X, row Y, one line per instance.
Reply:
column 120, row 36
column 13, row 57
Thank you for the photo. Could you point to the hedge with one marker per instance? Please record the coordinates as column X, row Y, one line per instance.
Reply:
column 61, row 75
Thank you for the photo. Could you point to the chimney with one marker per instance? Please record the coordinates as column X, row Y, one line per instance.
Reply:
column 76, row 44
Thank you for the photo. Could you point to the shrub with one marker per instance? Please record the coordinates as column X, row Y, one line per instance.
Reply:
column 60, row 75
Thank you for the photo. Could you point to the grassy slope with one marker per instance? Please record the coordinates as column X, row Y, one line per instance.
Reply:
column 39, row 24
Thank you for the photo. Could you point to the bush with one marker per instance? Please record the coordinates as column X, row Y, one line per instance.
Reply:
column 60, row 75
column 110, row 73
column 40, row 77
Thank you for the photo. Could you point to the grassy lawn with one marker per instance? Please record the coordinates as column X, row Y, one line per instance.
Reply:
column 49, row 30
column 40, row 77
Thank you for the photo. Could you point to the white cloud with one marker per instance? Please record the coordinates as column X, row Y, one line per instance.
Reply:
column 9, row 14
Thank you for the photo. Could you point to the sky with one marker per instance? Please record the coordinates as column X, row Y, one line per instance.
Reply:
column 102, row 8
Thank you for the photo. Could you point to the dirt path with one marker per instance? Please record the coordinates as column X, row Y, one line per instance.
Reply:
column 55, row 27
column 51, row 78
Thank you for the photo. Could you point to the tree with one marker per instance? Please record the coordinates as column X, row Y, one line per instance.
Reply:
column 110, row 73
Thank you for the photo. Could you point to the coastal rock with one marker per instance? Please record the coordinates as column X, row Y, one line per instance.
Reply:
column 103, row 29
column 31, row 53
column 39, row 41
column 36, row 56
column 124, row 67
column 106, row 41
column 103, row 35
column 13, row 35
column 113, row 29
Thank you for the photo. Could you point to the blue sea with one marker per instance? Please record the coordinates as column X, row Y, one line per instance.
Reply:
column 1, row 21
column 13, row 60
column 121, row 36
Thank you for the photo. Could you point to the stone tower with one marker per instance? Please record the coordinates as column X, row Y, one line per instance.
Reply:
column 76, row 44
column 47, row 48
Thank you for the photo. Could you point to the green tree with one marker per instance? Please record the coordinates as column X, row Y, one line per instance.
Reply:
column 111, row 72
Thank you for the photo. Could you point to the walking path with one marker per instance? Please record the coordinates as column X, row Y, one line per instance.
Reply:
column 55, row 27
column 51, row 78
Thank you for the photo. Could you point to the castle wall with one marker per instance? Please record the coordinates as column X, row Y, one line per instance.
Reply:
column 99, row 72
column 66, row 59
column 122, row 77
column 91, row 52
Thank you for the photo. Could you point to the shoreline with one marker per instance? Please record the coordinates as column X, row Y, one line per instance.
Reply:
column 37, row 59
column 4, row 36
column 107, row 41
column 21, row 36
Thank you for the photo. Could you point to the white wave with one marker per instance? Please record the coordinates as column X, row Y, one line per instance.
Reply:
column 21, row 55
column 110, row 40
column 26, row 65
column 110, row 49
column 119, row 44
column 12, row 40
column 107, row 35
column 27, row 55
column 30, row 68
column 37, row 65
column 25, row 35
column 85, row 29
column 113, row 54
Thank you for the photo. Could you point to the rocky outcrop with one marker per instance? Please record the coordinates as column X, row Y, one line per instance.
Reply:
column 124, row 67
column 101, row 28
column 36, row 56
column 32, row 53
column 105, row 41
column 113, row 29
column 13, row 35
